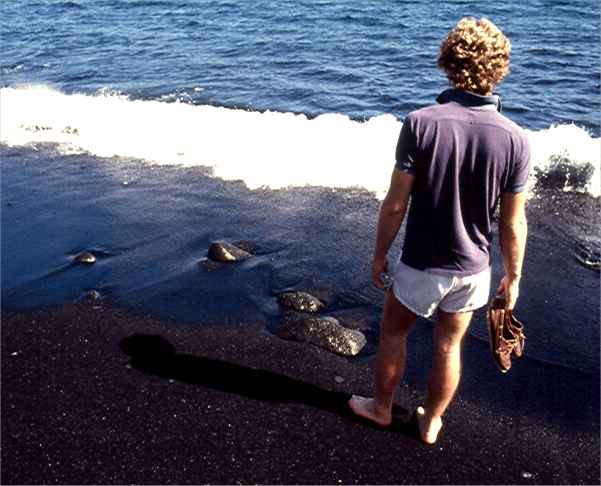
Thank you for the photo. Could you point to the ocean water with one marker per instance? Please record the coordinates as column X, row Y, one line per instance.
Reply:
column 357, row 58
column 121, row 78
column 144, row 130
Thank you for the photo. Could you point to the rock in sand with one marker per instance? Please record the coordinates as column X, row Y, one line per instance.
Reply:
column 85, row 257
column 92, row 295
column 221, row 251
column 300, row 301
column 590, row 262
column 325, row 332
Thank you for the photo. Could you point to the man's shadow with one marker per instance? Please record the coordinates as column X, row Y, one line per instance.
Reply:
column 154, row 355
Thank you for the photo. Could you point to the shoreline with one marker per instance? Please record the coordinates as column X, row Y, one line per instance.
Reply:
column 228, row 404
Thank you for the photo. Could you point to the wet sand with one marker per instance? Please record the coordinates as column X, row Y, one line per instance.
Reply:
column 228, row 404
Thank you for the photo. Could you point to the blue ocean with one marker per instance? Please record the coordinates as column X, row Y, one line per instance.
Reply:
column 143, row 130
column 282, row 94
column 357, row 58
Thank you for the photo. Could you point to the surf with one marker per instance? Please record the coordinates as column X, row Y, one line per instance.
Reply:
column 267, row 149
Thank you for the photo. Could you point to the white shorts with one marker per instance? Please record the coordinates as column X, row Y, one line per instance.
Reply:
column 423, row 293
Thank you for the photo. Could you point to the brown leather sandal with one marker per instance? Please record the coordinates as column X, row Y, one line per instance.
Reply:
column 506, row 333
column 517, row 330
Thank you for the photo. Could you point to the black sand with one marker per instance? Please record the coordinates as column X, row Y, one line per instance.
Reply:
column 213, row 397
column 236, row 404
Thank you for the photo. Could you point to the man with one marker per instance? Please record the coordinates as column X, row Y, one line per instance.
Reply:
column 456, row 161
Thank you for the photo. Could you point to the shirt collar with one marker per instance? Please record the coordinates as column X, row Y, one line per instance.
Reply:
column 468, row 98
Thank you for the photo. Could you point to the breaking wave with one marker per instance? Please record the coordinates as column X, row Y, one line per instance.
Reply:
column 268, row 149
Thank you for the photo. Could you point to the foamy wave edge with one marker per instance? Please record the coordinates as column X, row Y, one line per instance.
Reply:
column 268, row 149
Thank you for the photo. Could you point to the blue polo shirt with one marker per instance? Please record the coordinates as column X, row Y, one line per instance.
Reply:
column 464, row 154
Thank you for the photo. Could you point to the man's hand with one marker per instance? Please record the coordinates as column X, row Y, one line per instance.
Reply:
column 510, row 288
column 379, row 266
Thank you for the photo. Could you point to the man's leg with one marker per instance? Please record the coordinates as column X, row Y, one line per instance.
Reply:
column 446, row 370
column 390, row 362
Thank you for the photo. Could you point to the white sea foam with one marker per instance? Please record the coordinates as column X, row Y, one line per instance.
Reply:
column 269, row 149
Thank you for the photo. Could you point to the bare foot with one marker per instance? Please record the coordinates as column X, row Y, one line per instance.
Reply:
column 366, row 408
column 429, row 427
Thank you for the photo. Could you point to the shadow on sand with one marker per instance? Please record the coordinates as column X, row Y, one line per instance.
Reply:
column 154, row 355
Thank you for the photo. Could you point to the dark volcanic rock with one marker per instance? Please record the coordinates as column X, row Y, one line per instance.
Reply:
column 300, row 301
column 85, row 257
column 91, row 295
column 589, row 257
column 221, row 251
column 589, row 263
column 325, row 332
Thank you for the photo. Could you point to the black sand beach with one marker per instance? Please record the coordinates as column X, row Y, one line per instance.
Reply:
column 136, row 134
column 215, row 396
column 235, row 404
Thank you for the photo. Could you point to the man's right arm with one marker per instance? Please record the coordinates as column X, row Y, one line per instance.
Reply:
column 513, row 230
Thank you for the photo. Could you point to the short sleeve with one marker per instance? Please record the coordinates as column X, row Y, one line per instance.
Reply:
column 406, row 148
column 520, row 169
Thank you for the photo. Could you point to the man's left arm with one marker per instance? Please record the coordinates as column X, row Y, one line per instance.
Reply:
column 392, row 213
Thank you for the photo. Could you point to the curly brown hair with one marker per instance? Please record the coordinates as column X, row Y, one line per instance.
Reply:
column 475, row 55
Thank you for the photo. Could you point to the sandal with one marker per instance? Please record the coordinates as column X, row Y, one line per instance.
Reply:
column 506, row 333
